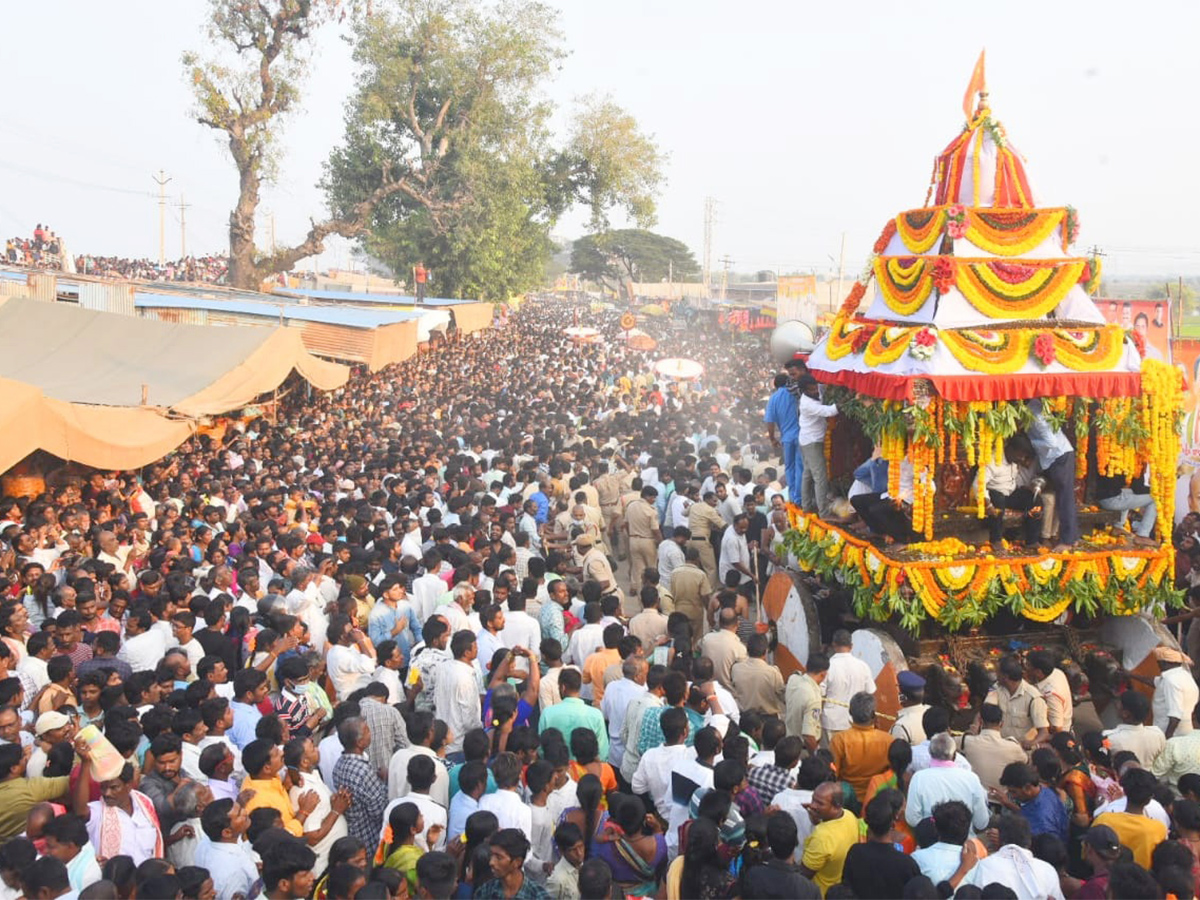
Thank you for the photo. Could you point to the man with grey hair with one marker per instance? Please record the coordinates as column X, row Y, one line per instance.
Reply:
column 458, row 611
column 942, row 782
column 617, row 697
column 188, row 802
column 861, row 752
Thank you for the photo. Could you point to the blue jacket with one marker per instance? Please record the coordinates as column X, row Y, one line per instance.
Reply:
column 875, row 473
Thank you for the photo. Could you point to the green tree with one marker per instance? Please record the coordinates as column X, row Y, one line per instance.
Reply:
column 449, row 108
column 632, row 254
column 245, row 91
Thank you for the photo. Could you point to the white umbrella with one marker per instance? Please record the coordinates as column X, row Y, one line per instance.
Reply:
column 580, row 332
column 679, row 369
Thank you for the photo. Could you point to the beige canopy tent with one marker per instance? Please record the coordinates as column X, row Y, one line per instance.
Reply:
column 101, row 359
column 105, row 437
column 118, row 392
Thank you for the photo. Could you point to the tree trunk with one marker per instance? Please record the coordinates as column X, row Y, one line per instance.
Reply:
column 243, row 269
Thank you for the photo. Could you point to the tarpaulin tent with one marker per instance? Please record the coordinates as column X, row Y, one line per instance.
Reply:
column 102, row 359
column 105, row 437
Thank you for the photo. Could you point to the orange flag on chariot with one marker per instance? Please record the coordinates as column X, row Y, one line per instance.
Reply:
column 978, row 83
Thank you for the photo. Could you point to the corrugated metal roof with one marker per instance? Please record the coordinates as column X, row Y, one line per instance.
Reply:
column 393, row 299
column 10, row 275
column 328, row 315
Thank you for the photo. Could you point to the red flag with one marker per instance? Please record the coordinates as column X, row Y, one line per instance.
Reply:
column 978, row 83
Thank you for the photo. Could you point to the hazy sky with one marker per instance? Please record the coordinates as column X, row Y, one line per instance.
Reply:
column 804, row 120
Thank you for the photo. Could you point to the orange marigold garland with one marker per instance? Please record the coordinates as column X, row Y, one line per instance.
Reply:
column 885, row 238
column 1162, row 399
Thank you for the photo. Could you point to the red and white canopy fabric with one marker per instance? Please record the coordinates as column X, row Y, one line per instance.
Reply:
column 978, row 292
column 583, row 335
column 679, row 369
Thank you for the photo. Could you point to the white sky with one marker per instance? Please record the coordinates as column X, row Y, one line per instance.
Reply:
column 805, row 120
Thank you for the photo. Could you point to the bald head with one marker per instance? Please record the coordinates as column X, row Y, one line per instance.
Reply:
column 728, row 619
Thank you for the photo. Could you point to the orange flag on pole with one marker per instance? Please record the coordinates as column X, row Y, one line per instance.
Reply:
column 978, row 83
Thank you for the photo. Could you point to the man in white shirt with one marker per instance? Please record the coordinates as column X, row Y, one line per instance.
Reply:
column 814, row 485
column 670, row 552
column 143, row 647
column 1015, row 866
column 735, row 550
column 506, row 803
column 847, row 676
column 617, row 697
column 456, row 691
column 520, row 629
column 944, row 781
column 654, row 770
column 586, row 640
column 427, row 589
column 302, row 758
column 1146, row 742
column 1175, row 693
column 420, row 735
column 350, row 661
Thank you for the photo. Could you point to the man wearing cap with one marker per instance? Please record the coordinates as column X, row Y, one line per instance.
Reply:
column 595, row 566
column 1175, row 692
column 51, row 728
column 912, row 707
column 1101, row 847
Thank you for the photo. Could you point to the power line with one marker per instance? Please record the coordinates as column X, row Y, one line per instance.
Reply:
column 66, row 179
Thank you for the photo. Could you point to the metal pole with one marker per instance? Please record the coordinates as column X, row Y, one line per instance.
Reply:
column 161, row 181
column 183, row 207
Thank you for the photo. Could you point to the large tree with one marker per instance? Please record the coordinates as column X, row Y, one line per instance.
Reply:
column 244, row 91
column 632, row 254
column 450, row 105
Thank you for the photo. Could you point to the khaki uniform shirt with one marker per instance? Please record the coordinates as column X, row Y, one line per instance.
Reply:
column 908, row 725
column 724, row 648
column 802, row 701
column 704, row 520
column 648, row 626
column 690, row 588
column 989, row 752
column 608, row 490
column 1024, row 711
column 642, row 519
column 596, row 568
column 757, row 685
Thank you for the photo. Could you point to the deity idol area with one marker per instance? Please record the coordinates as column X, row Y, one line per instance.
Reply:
column 969, row 350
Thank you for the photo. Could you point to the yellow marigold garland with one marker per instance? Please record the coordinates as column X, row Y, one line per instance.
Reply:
column 892, row 441
column 921, row 229
column 1162, row 399
column 1029, row 298
column 990, row 351
column 1089, row 350
column 904, row 282
column 1011, row 232
column 887, row 345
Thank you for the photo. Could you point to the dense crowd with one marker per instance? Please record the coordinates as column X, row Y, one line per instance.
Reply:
column 42, row 250
column 210, row 269
column 486, row 624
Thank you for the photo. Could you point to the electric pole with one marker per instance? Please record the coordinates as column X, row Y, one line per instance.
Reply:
column 726, row 262
column 183, row 208
column 161, row 181
column 710, row 209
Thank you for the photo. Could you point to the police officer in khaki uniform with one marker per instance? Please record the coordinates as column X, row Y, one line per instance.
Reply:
column 641, row 524
column 690, row 590
column 704, row 521
column 1024, row 709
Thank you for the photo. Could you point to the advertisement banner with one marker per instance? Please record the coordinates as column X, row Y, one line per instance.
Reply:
column 1150, row 318
column 1185, row 352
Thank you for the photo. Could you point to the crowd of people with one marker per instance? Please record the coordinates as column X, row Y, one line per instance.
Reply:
column 41, row 250
column 210, row 269
column 486, row 624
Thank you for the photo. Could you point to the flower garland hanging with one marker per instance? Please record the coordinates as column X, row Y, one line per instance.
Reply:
column 956, row 221
column 887, row 345
column 1011, row 232
column 991, row 351
column 923, row 344
column 1162, row 397
column 843, row 338
column 921, row 229
column 1081, row 408
column 1070, row 230
column 854, row 298
column 1090, row 276
column 1043, row 348
column 885, row 237
column 1003, row 290
column 1088, row 350
column 904, row 282
column 944, row 273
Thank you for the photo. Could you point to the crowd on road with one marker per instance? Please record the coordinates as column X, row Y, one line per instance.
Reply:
column 487, row 624
column 41, row 250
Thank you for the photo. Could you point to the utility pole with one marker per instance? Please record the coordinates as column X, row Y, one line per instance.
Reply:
column 161, row 181
column 183, row 208
column 726, row 262
column 710, row 209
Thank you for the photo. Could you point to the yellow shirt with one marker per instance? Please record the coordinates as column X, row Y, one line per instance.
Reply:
column 269, row 793
column 1139, row 833
column 826, row 848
